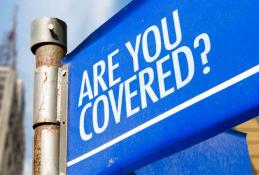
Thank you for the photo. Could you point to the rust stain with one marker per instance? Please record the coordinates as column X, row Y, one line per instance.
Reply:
column 37, row 145
column 46, row 77
column 37, row 152
column 49, row 55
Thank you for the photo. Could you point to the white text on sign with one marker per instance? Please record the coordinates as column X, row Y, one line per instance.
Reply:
column 92, row 98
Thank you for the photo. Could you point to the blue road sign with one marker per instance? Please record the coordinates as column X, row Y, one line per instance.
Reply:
column 159, row 77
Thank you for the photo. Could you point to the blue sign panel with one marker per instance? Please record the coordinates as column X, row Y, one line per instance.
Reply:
column 224, row 154
column 159, row 77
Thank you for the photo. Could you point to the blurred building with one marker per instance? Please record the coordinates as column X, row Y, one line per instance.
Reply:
column 11, row 122
column 251, row 128
column 11, row 108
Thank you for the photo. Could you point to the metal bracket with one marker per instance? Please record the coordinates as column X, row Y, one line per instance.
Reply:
column 62, row 111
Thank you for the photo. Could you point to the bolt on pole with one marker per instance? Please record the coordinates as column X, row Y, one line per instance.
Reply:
column 49, row 44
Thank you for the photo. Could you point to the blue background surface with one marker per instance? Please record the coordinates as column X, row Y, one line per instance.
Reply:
column 223, row 154
column 233, row 29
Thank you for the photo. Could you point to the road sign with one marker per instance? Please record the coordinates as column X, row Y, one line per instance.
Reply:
column 158, row 77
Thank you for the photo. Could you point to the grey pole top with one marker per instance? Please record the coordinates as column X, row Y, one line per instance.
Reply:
column 48, row 31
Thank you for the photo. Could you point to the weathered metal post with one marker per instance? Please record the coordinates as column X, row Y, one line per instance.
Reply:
column 49, row 44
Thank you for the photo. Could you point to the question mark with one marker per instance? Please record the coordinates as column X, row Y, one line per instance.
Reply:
column 204, row 59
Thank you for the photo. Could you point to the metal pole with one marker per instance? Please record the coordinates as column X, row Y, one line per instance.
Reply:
column 49, row 44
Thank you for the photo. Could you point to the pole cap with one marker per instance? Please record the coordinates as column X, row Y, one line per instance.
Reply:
column 48, row 31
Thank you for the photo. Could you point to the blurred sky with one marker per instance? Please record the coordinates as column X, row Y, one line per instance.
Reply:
column 82, row 18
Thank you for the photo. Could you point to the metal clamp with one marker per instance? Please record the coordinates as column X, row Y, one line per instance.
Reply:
column 45, row 91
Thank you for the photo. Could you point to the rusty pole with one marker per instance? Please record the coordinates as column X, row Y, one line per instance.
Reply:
column 49, row 44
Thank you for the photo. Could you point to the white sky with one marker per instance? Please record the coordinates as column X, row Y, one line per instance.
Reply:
column 82, row 18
